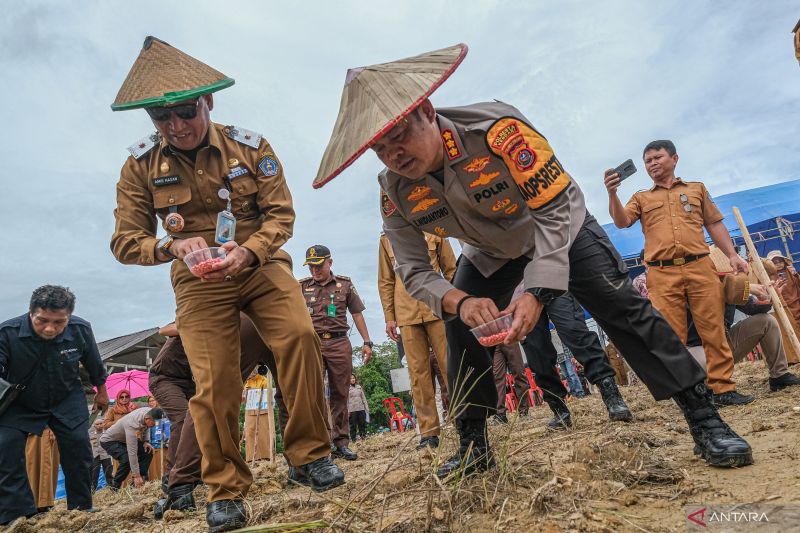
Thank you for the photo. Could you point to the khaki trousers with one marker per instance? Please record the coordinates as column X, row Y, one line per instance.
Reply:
column 337, row 356
column 697, row 284
column 620, row 369
column 41, row 462
column 418, row 340
column 208, row 321
column 761, row 328
column 508, row 359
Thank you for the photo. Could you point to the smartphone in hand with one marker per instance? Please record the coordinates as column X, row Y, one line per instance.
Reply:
column 625, row 170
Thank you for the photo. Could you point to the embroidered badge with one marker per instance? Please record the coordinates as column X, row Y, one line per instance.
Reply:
column 529, row 158
column 163, row 181
column 440, row 231
column 387, row 206
column 236, row 172
column 419, row 192
column 510, row 210
column 450, row 145
column 500, row 204
column 268, row 166
column 484, row 179
column 477, row 164
column 424, row 205
column 164, row 167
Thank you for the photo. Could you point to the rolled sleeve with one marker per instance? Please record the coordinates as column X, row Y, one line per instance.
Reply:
column 275, row 203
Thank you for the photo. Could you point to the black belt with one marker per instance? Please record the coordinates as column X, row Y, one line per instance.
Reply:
column 677, row 261
column 332, row 334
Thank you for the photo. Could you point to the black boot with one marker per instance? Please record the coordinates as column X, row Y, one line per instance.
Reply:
column 617, row 410
column 179, row 498
column 225, row 515
column 714, row 440
column 781, row 382
column 474, row 454
column 345, row 452
column 321, row 475
column 562, row 418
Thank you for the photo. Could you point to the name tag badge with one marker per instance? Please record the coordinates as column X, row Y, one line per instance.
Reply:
column 163, row 181
column 332, row 310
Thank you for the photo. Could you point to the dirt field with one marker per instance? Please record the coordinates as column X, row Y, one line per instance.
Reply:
column 598, row 477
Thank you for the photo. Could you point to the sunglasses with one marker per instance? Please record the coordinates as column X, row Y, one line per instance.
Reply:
column 183, row 111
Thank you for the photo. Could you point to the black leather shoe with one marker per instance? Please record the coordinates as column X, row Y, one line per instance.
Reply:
column 165, row 484
column 617, row 409
column 473, row 455
column 179, row 498
column 321, row 475
column 731, row 398
column 225, row 515
column 714, row 440
column 345, row 452
column 562, row 418
column 781, row 382
column 428, row 442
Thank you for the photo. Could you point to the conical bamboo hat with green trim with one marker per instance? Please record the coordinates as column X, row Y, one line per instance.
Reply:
column 163, row 75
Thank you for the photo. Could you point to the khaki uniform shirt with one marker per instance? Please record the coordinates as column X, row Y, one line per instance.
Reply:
column 505, row 195
column 398, row 305
column 340, row 291
column 163, row 178
column 669, row 230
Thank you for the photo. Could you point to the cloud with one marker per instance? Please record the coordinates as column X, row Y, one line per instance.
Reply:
column 599, row 81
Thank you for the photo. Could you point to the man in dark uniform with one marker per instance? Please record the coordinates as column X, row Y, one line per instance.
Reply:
column 43, row 350
column 493, row 181
column 328, row 298
column 210, row 184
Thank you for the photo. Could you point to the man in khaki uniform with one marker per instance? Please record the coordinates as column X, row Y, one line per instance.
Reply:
column 673, row 214
column 493, row 182
column 182, row 175
column 420, row 330
column 328, row 298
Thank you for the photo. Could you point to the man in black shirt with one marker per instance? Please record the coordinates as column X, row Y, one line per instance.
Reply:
column 43, row 350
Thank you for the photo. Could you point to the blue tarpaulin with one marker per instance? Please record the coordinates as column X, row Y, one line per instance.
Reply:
column 771, row 213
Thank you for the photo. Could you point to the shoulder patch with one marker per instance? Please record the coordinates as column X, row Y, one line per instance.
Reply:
column 529, row 158
column 144, row 145
column 269, row 165
column 250, row 138
column 387, row 205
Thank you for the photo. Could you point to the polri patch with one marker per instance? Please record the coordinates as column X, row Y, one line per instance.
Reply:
column 163, row 181
column 268, row 166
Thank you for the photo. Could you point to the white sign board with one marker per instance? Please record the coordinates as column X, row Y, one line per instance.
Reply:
column 400, row 380
column 252, row 399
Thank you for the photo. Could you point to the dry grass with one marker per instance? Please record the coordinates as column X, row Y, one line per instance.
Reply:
column 598, row 477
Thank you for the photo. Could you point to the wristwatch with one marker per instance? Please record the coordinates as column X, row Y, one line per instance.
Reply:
column 164, row 244
column 544, row 295
column 369, row 343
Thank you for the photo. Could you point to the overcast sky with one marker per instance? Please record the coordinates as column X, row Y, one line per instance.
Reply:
column 600, row 80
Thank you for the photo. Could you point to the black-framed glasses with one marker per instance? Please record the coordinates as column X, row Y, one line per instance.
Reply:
column 183, row 111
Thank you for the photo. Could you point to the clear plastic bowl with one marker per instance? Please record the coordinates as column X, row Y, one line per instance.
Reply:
column 494, row 332
column 201, row 261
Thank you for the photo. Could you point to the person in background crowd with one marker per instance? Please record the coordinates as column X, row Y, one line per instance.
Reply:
column 617, row 363
column 358, row 408
column 100, row 456
column 570, row 373
column 508, row 360
column 126, row 441
column 787, row 282
column 43, row 350
column 122, row 406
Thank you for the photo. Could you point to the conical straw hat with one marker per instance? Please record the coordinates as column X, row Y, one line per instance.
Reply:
column 377, row 97
column 164, row 75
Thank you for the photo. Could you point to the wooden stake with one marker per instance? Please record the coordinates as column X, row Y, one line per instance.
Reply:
column 763, row 278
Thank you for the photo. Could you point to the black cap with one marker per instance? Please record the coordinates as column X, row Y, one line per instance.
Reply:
column 317, row 254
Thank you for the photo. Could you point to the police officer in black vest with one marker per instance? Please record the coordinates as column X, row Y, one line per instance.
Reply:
column 43, row 349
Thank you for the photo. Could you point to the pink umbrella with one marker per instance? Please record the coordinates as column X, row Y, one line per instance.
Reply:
column 135, row 381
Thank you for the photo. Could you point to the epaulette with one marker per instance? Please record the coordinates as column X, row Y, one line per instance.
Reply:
column 304, row 279
column 343, row 277
column 250, row 138
column 144, row 145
